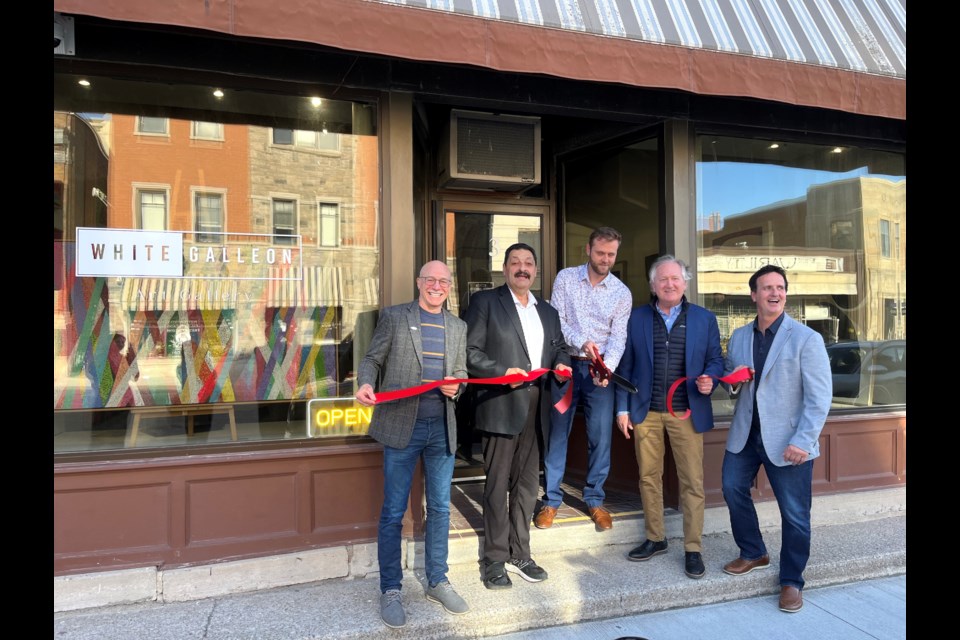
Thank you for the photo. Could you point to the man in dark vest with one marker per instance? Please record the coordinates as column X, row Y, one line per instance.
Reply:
column 670, row 339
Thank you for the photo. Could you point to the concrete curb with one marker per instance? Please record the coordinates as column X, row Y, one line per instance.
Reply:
column 593, row 583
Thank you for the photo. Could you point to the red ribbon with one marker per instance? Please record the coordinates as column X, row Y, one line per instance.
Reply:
column 741, row 375
column 562, row 405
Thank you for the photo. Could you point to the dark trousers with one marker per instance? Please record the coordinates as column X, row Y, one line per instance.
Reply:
column 512, row 466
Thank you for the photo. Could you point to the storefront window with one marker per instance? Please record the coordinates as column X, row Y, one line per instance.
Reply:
column 823, row 213
column 199, row 295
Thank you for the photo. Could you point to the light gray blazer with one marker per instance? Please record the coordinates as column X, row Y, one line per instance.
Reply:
column 793, row 394
column 394, row 361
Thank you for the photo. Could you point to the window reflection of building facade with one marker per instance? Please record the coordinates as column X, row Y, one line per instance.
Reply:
column 244, row 326
column 829, row 228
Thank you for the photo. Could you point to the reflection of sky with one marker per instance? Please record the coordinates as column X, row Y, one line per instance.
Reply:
column 94, row 117
column 735, row 187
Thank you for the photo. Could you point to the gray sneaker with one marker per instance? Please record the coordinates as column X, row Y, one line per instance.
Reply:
column 444, row 594
column 391, row 609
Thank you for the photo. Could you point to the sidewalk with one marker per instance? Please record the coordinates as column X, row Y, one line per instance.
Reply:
column 591, row 583
column 865, row 610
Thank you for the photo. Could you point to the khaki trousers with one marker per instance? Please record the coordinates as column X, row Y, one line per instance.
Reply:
column 649, row 445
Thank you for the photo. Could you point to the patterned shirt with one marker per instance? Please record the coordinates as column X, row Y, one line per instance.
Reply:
column 599, row 313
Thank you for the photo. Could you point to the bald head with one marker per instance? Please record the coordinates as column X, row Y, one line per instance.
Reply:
column 434, row 264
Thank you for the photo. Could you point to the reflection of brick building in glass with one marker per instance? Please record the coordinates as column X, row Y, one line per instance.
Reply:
column 238, row 325
column 843, row 247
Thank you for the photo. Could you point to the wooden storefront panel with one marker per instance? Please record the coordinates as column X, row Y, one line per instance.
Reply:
column 200, row 509
column 856, row 452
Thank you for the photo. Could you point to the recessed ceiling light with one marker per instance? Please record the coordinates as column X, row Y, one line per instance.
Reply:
column 837, row 150
column 83, row 83
column 217, row 93
column 316, row 101
column 774, row 146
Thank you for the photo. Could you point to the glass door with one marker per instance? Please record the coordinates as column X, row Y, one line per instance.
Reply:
column 473, row 244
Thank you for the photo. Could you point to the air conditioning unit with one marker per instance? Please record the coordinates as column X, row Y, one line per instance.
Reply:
column 490, row 152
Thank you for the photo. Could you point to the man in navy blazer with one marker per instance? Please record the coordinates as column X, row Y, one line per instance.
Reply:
column 669, row 339
column 776, row 424
column 509, row 331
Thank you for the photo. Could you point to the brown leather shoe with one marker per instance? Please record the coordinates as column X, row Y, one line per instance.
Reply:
column 601, row 518
column 544, row 519
column 791, row 599
column 741, row 567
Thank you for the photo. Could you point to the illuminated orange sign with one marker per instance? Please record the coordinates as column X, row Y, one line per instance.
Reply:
column 328, row 417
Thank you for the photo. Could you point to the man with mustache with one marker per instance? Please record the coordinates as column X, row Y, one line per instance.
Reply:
column 776, row 424
column 594, row 306
column 509, row 331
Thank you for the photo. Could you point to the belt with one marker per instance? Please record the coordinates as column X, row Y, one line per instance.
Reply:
column 583, row 358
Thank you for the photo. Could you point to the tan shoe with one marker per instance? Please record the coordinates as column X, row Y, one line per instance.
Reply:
column 741, row 566
column 544, row 519
column 601, row 518
column 791, row 599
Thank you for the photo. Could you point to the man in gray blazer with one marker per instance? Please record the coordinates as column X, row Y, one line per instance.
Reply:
column 510, row 331
column 415, row 343
column 777, row 422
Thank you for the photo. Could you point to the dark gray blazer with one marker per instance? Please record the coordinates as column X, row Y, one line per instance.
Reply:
column 394, row 361
column 495, row 343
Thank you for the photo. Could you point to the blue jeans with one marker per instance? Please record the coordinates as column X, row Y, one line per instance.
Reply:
column 792, row 486
column 429, row 441
column 597, row 405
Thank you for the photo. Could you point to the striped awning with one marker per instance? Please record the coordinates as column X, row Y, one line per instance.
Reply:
column 867, row 36
column 178, row 294
column 847, row 55
column 304, row 287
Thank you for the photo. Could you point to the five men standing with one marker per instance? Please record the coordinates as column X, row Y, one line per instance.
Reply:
column 777, row 420
column 509, row 331
column 776, row 424
column 594, row 306
column 668, row 339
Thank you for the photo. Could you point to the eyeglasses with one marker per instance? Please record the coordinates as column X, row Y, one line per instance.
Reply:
column 430, row 281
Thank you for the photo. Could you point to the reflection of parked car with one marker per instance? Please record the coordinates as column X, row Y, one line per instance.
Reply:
column 864, row 368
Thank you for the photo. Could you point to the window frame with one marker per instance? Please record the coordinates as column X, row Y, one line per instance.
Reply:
column 337, row 223
column 196, row 192
column 885, row 238
column 140, row 188
column 295, row 228
column 138, row 126
column 195, row 133
column 297, row 142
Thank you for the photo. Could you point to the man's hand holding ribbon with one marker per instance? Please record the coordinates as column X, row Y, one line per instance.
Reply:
column 705, row 386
